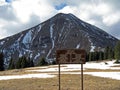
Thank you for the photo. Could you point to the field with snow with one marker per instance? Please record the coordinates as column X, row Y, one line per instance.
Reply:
column 103, row 75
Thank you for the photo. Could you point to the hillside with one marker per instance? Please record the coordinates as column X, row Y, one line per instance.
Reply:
column 62, row 31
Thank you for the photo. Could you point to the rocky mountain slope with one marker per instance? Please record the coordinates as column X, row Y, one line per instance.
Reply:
column 62, row 31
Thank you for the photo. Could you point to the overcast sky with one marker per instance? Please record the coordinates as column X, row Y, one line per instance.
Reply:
column 19, row 15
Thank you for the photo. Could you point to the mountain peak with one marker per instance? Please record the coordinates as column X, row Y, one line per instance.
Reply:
column 63, row 31
column 63, row 15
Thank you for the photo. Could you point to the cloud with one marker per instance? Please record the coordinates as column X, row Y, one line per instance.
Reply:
column 7, row 13
column 67, row 10
column 24, row 9
column 111, row 19
column 115, row 29
column 23, row 14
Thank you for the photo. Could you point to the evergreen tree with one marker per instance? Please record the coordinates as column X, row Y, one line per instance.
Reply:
column 18, row 64
column 96, row 55
column 92, row 56
column 117, row 51
column 106, row 52
column 42, row 62
column 101, row 55
column 30, row 63
column 11, row 64
column 54, row 62
column 110, row 53
column 1, row 62
column 23, row 62
column 87, row 57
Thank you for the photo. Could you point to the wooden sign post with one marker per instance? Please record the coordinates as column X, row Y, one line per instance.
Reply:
column 71, row 56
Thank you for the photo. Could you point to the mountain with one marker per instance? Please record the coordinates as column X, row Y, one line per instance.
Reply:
column 62, row 31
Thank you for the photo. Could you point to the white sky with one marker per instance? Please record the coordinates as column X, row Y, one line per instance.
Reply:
column 19, row 15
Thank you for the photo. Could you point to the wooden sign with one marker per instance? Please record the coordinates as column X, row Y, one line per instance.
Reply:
column 71, row 56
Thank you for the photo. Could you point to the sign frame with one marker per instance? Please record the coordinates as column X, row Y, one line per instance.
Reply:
column 70, row 58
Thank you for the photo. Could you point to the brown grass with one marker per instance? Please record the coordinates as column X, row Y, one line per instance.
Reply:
column 68, row 82
column 25, row 71
column 116, row 66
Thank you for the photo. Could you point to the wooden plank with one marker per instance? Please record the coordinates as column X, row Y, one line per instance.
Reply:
column 71, row 56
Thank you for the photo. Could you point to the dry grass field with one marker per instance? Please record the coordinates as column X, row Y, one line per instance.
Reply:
column 68, row 82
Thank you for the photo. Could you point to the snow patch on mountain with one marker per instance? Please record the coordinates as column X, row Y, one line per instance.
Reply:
column 38, row 55
column 20, row 54
column 39, row 28
column 1, row 43
column 52, row 38
column 78, row 46
column 92, row 48
column 20, row 37
column 27, row 38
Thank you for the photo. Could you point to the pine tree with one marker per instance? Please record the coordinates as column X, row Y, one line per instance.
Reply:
column 96, row 55
column 110, row 53
column 54, row 62
column 18, row 64
column 100, row 55
column 117, row 51
column 106, row 52
column 1, row 62
column 23, row 62
column 11, row 64
column 42, row 62
column 92, row 56
column 30, row 62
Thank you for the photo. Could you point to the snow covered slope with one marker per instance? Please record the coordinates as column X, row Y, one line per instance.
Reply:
column 61, row 31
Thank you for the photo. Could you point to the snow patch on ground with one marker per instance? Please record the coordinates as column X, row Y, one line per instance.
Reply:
column 52, row 71
column 112, row 75
column 101, row 65
column 26, row 76
column 88, row 65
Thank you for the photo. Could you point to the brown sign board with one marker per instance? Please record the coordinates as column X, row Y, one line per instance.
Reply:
column 71, row 56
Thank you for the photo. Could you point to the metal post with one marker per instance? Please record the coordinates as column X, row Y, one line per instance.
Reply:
column 81, row 76
column 59, row 76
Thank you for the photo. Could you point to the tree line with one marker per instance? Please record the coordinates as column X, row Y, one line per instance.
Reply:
column 109, row 53
column 23, row 62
